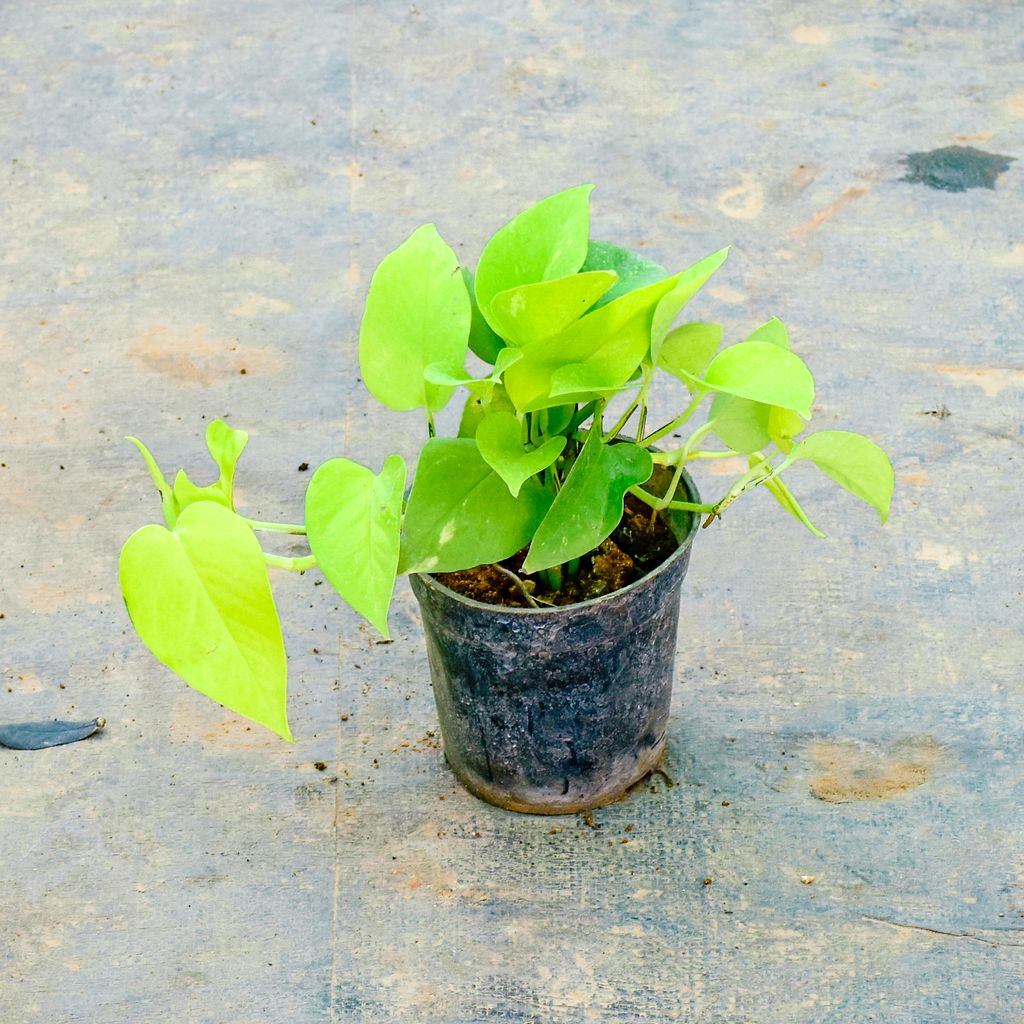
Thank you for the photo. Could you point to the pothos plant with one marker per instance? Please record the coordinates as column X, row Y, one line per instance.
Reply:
column 563, row 326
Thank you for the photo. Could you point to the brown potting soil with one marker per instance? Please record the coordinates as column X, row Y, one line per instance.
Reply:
column 636, row 546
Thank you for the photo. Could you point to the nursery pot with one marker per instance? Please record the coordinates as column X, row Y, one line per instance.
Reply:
column 557, row 710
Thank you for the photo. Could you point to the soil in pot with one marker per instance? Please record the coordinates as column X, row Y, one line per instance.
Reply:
column 640, row 543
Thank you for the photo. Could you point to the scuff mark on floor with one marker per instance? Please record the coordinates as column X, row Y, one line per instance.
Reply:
column 856, row 192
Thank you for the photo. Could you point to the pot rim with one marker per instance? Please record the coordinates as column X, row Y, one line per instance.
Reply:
column 684, row 545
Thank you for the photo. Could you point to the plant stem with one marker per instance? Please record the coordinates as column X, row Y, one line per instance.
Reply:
column 623, row 420
column 578, row 417
column 696, row 436
column 641, row 423
column 519, row 583
column 552, row 577
column 754, row 476
column 300, row 564
column 684, row 506
column 431, row 432
column 677, row 422
column 666, row 498
column 296, row 528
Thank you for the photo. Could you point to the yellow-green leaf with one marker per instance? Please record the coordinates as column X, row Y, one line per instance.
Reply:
column 461, row 513
column 546, row 241
column 763, row 372
column 200, row 599
column 417, row 313
column 354, row 523
column 499, row 440
column 855, row 462
column 589, row 505
column 534, row 311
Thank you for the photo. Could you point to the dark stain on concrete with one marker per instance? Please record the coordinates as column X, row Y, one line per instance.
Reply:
column 956, row 168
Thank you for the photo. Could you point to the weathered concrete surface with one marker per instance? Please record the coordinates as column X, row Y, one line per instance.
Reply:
column 190, row 189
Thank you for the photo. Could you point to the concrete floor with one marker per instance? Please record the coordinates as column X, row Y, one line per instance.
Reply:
column 188, row 189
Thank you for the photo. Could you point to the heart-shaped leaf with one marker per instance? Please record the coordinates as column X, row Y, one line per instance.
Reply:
column 589, row 505
column 461, row 513
column 546, row 241
column 612, row 341
column 200, row 599
column 747, row 426
column 632, row 270
column 534, row 311
column 761, row 371
column 499, row 440
column 740, row 423
column 855, row 462
column 686, row 351
column 417, row 312
column 354, row 525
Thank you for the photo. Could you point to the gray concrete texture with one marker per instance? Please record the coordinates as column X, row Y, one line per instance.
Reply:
column 193, row 189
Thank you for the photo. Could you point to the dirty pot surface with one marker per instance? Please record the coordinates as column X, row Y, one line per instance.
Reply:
column 553, row 711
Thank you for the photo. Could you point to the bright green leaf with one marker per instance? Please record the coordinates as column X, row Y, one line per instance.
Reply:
column 774, row 331
column 445, row 376
column 417, row 313
column 460, row 512
column 632, row 270
column 855, row 462
column 747, row 426
column 686, row 285
column 557, row 419
column 200, row 599
column 761, row 371
column 353, row 523
column 167, row 501
column 599, row 375
column 187, row 493
column 612, row 340
column 477, row 407
column 534, row 311
column 686, row 351
column 741, row 424
column 546, row 241
column 482, row 340
column 783, row 426
column 225, row 446
column 500, row 442
column 473, row 413
column 589, row 505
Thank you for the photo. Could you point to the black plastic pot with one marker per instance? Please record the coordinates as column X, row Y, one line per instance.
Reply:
column 552, row 711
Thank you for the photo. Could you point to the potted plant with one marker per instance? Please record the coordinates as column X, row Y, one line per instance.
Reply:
column 546, row 542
